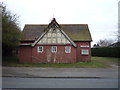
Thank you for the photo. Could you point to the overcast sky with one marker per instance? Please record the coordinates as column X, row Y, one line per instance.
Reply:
column 100, row 15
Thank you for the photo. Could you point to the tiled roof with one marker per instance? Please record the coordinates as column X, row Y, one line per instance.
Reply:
column 77, row 32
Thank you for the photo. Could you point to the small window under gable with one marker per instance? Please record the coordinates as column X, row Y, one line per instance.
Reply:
column 68, row 49
column 85, row 52
column 40, row 49
column 54, row 49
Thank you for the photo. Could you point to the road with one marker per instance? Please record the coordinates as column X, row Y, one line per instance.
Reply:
column 15, row 82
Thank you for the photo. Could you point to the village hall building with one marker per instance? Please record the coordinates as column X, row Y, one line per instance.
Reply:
column 55, row 43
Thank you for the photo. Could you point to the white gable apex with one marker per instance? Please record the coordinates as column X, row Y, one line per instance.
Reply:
column 54, row 36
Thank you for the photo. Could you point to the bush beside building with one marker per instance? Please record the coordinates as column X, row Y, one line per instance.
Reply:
column 106, row 52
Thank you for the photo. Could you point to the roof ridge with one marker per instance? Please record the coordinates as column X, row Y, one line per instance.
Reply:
column 35, row 24
column 48, row 24
column 73, row 24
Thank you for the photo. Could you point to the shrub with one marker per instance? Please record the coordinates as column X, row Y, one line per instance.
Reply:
column 106, row 52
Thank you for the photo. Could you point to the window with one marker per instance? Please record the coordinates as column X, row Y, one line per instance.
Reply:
column 85, row 52
column 54, row 49
column 67, row 49
column 84, row 46
column 40, row 49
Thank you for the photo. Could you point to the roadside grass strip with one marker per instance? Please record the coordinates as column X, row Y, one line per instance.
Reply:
column 96, row 62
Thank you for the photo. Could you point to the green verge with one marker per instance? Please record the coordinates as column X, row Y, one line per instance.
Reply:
column 106, row 60
column 97, row 62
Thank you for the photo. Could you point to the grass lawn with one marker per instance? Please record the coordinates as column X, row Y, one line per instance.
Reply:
column 97, row 62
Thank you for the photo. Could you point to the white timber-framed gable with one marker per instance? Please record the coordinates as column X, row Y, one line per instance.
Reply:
column 54, row 35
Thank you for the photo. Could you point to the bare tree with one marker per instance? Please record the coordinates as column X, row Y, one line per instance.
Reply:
column 105, row 42
column 118, row 35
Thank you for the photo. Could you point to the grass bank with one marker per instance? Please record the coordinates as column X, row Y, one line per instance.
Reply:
column 97, row 62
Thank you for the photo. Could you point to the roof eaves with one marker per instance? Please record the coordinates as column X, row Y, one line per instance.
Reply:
column 38, row 39
column 25, row 44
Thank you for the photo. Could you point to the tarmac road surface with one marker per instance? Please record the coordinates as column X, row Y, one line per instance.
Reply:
column 15, row 82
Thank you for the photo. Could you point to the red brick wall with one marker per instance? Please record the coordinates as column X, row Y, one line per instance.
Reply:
column 25, row 54
column 48, row 57
column 29, row 54
column 81, row 57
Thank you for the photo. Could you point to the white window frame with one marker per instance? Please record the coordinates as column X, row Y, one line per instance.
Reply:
column 85, row 51
column 84, row 45
column 38, row 48
column 67, row 49
column 52, row 49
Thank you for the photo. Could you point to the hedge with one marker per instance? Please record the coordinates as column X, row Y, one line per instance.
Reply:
column 106, row 52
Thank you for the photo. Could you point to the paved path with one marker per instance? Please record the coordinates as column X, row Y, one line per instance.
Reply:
column 60, row 72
